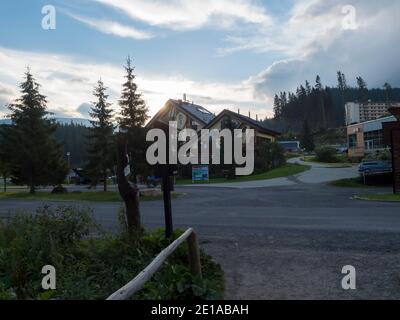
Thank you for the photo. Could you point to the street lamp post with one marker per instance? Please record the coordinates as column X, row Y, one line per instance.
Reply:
column 69, row 166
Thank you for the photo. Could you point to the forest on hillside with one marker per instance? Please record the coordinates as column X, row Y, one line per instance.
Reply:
column 73, row 138
column 322, row 107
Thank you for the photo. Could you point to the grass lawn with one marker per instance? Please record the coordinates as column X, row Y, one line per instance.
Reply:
column 284, row 171
column 341, row 162
column 349, row 183
column 110, row 196
column 379, row 197
column 355, row 183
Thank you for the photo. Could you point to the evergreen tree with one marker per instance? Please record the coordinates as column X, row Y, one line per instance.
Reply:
column 277, row 107
column 134, row 114
column 307, row 138
column 388, row 92
column 320, row 100
column 308, row 88
column 362, row 89
column 342, row 82
column 100, row 150
column 36, row 158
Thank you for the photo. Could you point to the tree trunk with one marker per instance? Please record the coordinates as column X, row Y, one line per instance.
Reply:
column 5, row 183
column 128, row 192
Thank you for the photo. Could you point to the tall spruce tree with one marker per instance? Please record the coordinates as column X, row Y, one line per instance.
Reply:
column 306, row 137
column 100, row 139
column 388, row 92
column 134, row 114
column 131, row 140
column 277, row 107
column 320, row 100
column 35, row 158
column 362, row 89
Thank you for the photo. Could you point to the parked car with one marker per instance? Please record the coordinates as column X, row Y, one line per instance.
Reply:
column 374, row 167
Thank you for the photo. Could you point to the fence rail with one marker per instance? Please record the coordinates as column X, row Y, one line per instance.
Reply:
column 140, row 280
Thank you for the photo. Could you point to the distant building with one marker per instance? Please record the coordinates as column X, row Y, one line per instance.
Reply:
column 367, row 137
column 360, row 112
column 191, row 116
column 243, row 122
column 187, row 114
column 290, row 146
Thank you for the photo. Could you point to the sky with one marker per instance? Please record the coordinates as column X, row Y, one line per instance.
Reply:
column 224, row 54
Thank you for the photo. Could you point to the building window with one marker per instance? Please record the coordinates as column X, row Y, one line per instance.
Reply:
column 352, row 141
column 374, row 140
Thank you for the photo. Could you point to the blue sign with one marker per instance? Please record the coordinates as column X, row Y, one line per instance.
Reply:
column 200, row 173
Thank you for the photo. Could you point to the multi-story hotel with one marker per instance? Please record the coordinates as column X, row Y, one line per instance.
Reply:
column 360, row 112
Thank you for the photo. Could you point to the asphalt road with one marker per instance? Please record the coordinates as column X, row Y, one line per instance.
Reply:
column 282, row 242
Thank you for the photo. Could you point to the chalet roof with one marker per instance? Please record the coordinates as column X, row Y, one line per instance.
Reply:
column 199, row 113
column 195, row 110
column 254, row 123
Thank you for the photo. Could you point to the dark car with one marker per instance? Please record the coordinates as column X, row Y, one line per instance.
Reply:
column 374, row 167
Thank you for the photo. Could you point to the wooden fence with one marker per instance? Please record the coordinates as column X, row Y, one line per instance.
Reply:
column 137, row 283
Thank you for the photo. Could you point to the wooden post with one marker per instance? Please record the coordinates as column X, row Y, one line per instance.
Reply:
column 166, row 188
column 194, row 254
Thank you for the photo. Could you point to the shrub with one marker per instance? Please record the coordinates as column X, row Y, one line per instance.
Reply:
column 326, row 154
column 384, row 155
column 269, row 156
column 89, row 264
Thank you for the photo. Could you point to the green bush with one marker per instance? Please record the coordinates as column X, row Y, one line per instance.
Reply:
column 89, row 264
column 384, row 155
column 269, row 156
column 326, row 154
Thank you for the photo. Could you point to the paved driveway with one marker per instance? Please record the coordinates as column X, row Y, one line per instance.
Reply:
column 283, row 242
column 321, row 173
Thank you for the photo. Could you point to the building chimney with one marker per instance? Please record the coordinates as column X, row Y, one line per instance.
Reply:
column 238, row 111
column 184, row 97
column 257, row 117
column 249, row 115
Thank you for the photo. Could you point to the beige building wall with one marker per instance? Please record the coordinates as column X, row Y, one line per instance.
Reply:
column 357, row 151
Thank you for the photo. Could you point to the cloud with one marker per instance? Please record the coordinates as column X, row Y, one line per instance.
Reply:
column 371, row 50
column 312, row 25
column 6, row 96
column 113, row 28
column 68, row 83
column 191, row 14
column 84, row 109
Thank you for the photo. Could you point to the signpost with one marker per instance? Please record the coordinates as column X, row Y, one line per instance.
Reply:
column 200, row 173
column 166, row 172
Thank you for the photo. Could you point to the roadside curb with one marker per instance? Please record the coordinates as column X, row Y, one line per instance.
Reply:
column 372, row 200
